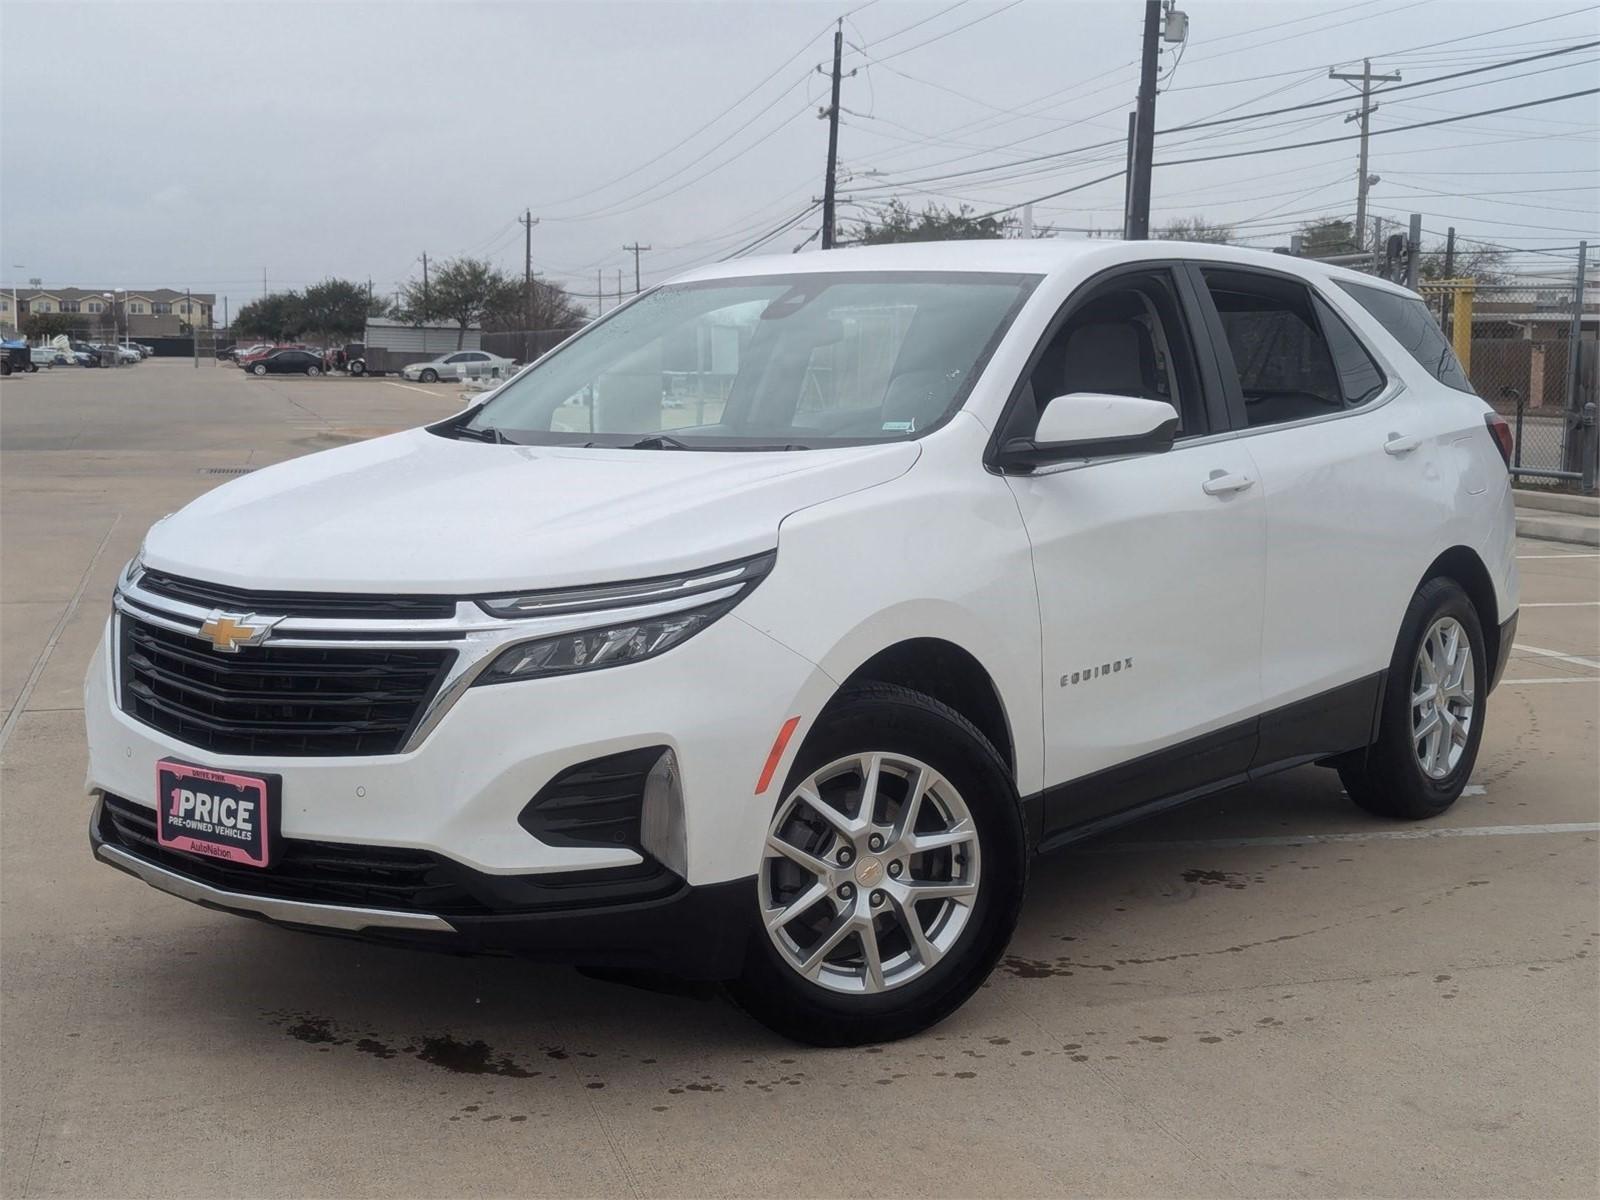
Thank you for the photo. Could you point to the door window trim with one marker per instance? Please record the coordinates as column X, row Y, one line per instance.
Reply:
column 1206, row 364
column 1239, row 422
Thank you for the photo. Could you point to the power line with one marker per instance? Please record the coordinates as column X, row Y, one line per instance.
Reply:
column 1487, row 112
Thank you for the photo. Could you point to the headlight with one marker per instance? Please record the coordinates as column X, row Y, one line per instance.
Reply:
column 626, row 638
column 135, row 565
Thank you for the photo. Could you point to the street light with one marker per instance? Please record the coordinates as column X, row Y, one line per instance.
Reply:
column 16, row 313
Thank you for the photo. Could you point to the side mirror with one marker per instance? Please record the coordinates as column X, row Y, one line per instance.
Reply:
column 1085, row 425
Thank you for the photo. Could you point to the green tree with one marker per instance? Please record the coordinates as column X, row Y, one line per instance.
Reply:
column 335, row 308
column 550, row 307
column 44, row 326
column 468, row 291
column 278, row 316
column 1195, row 229
column 896, row 222
column 1326, row 236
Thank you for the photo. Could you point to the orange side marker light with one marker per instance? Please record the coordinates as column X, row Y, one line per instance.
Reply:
column 779, row 744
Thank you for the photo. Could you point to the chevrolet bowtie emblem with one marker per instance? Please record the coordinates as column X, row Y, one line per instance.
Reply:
column 228, row 631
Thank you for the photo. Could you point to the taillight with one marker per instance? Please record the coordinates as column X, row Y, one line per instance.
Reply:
column 1501, row 433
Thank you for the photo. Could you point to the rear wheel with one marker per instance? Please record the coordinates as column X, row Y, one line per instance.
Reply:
column 313, row 371
column 357, row 367
column 1433, row 709
column 891, row 877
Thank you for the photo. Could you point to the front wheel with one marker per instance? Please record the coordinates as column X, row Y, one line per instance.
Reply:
column 429, row 376
column 892, row 874
column 1431, row 721
column 259, row 369
column 357, row 367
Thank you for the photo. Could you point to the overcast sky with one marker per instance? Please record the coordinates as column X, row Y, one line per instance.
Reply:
column 201, row 145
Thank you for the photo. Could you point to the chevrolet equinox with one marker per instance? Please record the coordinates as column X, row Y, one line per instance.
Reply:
column 767, row 629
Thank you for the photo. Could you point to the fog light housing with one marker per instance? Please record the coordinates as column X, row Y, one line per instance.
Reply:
column 662, row 834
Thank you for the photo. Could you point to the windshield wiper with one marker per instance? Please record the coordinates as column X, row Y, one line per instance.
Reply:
column 658, row 441
column 483, row 433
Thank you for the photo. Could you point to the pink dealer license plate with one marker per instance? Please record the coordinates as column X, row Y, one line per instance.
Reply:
column 219, row 814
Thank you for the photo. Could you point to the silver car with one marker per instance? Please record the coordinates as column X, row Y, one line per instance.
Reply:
column 463, row 364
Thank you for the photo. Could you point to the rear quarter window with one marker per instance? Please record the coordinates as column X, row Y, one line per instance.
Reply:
column 1409, row 322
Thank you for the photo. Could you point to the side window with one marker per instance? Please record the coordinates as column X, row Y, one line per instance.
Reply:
column 1288, row 367
column 1408, row 321
column 1127, row 338
column 1359, row 376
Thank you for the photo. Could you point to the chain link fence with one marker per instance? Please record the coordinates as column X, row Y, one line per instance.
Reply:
column 1520, row 361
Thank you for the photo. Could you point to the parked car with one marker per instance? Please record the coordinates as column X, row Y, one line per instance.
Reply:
column 14, row 358
column 463, row 364
column 287, row 362
column 47, row 356
column 963, row 552
column 85, row 355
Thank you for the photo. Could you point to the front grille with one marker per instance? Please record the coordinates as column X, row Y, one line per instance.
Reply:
column 276, row 700
column 353, row 605
column 388, row 877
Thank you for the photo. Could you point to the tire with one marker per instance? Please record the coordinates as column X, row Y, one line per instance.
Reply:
column 258, row 368
column 1392, row 779
column 841, row 1004
column 429, row 376
column 313, row 372
column 33, row 368
column 357, row 367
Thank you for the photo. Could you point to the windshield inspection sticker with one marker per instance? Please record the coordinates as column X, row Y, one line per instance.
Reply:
column 900, row 426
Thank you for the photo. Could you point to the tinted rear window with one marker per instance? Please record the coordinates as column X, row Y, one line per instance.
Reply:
column 1411, row 324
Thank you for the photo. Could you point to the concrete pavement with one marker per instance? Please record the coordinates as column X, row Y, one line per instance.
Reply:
column 1266, row 994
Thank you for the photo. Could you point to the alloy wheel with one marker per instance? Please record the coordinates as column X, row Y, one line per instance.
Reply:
column 870, row 873
column 1443, row 686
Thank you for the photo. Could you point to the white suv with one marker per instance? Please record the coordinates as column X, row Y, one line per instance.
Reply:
column 767, row 629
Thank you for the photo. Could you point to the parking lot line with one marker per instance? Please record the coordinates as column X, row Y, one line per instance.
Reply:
column 1556, row 654
column 408, row 387
column 19, row 706
column 1564, row 604
column 1552, row 679
column 1374, row 835
column 1576, row 554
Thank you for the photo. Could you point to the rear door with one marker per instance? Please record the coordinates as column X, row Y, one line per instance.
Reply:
column 1343, row 459
column 1148, row 569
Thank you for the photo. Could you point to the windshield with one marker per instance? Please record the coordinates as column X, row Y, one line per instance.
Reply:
column 765, row 362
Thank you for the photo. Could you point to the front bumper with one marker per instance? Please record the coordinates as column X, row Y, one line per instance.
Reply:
column 716, row 702
column 690, row 932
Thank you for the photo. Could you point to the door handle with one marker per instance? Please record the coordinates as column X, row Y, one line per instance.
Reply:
column 1223, row 484
column 1399, row 444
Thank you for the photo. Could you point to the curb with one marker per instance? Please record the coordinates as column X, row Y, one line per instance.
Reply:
column 1555, row 529
column 1560, row 502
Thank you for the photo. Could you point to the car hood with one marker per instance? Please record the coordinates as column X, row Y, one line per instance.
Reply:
column 416, row 512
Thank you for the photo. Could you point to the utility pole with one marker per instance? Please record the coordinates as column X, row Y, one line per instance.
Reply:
column 1127, row 173
column 1413, row 250
column 425, row 287
column 833, row 140
column 1576, row 450
column 527, row 221
column 619, row 287
column 1144, row 142
column 1364, row 114
column 229, row 327
column 636, row 248
column 194, row 330
column 1447, row 305
column 599, row 291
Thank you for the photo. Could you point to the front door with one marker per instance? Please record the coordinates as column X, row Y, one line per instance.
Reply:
column 1150, row 569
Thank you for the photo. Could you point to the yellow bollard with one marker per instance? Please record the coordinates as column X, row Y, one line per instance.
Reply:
column 1461, row 322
